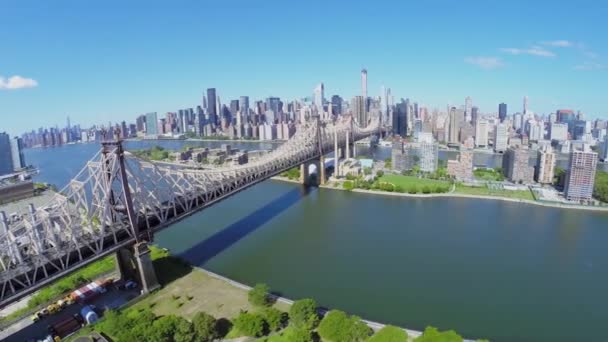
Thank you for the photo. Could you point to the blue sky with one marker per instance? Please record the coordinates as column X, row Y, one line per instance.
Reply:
column 100, row 61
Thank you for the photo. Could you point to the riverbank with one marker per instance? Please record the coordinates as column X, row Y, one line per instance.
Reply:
column 455, row 195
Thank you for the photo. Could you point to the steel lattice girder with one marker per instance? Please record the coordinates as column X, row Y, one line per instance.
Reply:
column 87, row 219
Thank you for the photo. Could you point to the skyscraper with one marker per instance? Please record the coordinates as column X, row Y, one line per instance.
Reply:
column 212, row 106
column 364, row 84
column 474, row 114
column 319, row 97
column 456, row 117
column 468, row 107
column 151, row 124
column 244, row 107
column 525, row 105
column 580, row 176
column 336, row 103
column 500, row 137
column 358, row 110
column 502, row 112
column 6, row 159
column 481, row 133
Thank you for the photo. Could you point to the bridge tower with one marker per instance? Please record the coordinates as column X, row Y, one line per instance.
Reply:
column 319, row 162
column 135, row 261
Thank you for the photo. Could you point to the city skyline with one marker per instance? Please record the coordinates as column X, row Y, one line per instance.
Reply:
column 55, row 60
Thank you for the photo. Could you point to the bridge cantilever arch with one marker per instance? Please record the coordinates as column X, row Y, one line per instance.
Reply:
column 117, row 202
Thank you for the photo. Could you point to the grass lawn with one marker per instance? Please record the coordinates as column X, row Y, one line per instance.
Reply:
column 484, row 191
column 407, row 181
column 197, row 292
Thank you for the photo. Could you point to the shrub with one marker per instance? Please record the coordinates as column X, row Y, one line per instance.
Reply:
column 348, row 185
column 426, row 189
column 259, row 295
column 412, row 189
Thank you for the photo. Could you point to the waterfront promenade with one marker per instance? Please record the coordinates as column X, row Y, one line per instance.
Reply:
column 454, row 195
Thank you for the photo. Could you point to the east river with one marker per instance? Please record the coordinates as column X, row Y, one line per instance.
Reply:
column 485, row 268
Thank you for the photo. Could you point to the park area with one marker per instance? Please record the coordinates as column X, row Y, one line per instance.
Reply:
column 494, row 191
column 412, row 184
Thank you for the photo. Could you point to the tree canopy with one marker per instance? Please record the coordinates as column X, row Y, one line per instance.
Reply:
column 303, row 314
column 337, row 326
column 259, row 295
column 389, row 334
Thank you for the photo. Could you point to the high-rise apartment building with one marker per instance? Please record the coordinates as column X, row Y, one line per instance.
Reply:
column 151, row 124
column 545, row 166
column 501, row 137
column 558, row 131
column 580, row 176
column 6, row 159
column 462, row 168
column 358, row 110
column 518, row 168
column 502, row 112
column 481, row 133
column 456, row 118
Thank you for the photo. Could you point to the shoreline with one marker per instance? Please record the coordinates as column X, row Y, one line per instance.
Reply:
column 456, row 195
column 372, row 324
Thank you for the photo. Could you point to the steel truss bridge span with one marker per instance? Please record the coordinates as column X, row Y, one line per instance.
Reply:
column 118, row 199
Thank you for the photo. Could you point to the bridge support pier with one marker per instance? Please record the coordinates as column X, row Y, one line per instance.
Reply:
column 305, row 175
column 137, row 264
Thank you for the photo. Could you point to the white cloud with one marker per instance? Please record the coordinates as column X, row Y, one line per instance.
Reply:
column 559, row 43
column 16, row 82
column 485, row 62
column 590, row 66
column 534, row 51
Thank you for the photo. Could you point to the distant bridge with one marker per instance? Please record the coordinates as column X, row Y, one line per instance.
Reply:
column 118, row 201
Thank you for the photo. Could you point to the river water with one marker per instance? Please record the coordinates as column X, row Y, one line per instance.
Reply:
column 492, row 269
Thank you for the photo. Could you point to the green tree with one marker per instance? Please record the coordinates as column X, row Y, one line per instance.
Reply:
column 367, row 170
column 600, row 189
column 388, row 163
column 380, row 173
column 275, row 319
column 164, row 328
column 204, row 327
column 426, row 189
column 249, row 324
column 337, row 326
column 259, row 295
column 431, row 334
column 389, row 334
column 558, row 176
column 303, row 314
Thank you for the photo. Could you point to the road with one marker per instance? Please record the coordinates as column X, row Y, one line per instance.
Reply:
column 27, row 330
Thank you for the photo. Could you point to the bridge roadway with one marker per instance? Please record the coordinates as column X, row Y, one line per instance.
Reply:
column 118, row 200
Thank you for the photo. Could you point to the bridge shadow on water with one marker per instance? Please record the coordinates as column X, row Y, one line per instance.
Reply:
column 206, row 250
